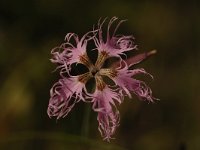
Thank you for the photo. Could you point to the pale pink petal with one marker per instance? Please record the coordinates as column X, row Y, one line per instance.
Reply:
column 108, row 122
column 60, row 57
column 71, row 51
column 128, row 84
column 108, row 116
column 115, row 45
column 63, row 96
column 79, row 49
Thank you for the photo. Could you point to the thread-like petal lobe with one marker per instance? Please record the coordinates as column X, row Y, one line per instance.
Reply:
column 114, row 45
column 124, row 79
column 108, row 115
column 63, row 96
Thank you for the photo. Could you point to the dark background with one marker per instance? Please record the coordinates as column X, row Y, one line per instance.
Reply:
column 29, row 29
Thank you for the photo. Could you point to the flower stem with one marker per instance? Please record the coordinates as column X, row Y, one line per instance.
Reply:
column 85, row 123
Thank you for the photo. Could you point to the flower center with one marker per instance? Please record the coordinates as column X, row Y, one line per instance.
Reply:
column 94, row 71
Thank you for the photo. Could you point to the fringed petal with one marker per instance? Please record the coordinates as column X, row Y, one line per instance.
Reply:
column 75, row 52
column 124, row 79
column 108, row 115
column 69, row 53
column 114, row 45
column 108, row 122
column 63, row 96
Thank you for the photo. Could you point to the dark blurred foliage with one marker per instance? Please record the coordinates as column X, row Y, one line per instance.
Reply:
column 29, row 29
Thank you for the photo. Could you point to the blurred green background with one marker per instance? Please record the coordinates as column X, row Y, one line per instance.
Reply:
column 29, row 29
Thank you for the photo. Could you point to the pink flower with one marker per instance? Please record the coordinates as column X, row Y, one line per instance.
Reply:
column 71, row 89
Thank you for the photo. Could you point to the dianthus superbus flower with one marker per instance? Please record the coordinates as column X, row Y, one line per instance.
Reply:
column 70, row 89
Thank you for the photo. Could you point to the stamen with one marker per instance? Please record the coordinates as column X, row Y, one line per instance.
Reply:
column 111, row 73
column 100, row 84
column 84, row 59
column 102, row 56
column 84, row 77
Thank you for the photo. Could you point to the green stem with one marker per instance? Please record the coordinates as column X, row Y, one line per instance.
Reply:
column 86, row 119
